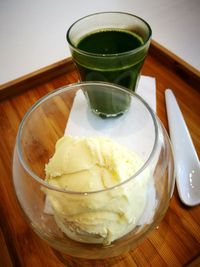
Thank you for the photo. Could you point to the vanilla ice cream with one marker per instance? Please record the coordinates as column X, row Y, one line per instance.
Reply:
column 87, row 168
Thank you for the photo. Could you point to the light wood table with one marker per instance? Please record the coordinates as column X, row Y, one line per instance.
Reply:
column 176, row 242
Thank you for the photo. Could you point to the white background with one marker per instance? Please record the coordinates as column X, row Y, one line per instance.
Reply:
column 32, row 33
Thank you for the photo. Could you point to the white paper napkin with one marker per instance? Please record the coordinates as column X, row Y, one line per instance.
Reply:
column 147, row 90
column 82, row 122
column 90, row 124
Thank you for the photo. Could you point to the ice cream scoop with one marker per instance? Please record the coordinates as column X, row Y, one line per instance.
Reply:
column 87, row 168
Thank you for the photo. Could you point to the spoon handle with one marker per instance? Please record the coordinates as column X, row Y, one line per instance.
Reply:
column 185, row 156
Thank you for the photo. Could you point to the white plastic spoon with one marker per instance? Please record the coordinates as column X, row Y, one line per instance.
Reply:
column 185, row 156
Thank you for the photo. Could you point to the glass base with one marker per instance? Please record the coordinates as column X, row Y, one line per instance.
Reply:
column 68, row 260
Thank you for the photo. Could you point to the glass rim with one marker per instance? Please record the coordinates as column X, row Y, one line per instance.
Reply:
column 133, row 51
column 68, row 88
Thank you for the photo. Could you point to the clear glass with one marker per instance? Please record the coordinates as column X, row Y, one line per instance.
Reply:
column 139, row 129
column 122, row 67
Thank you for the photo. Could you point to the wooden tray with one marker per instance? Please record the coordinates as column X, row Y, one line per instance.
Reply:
column 176, row 242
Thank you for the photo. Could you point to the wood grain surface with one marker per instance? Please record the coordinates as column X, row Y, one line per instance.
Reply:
column 176, row 242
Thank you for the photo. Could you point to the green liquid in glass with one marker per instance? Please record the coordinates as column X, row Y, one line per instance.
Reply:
column 114, row 61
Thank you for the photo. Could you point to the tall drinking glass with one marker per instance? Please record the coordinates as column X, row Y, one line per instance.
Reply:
column 110, row 47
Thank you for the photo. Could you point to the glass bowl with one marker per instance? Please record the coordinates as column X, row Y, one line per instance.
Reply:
column 67, row 111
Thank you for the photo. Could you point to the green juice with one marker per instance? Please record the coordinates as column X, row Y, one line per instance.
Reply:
column 111, row 56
